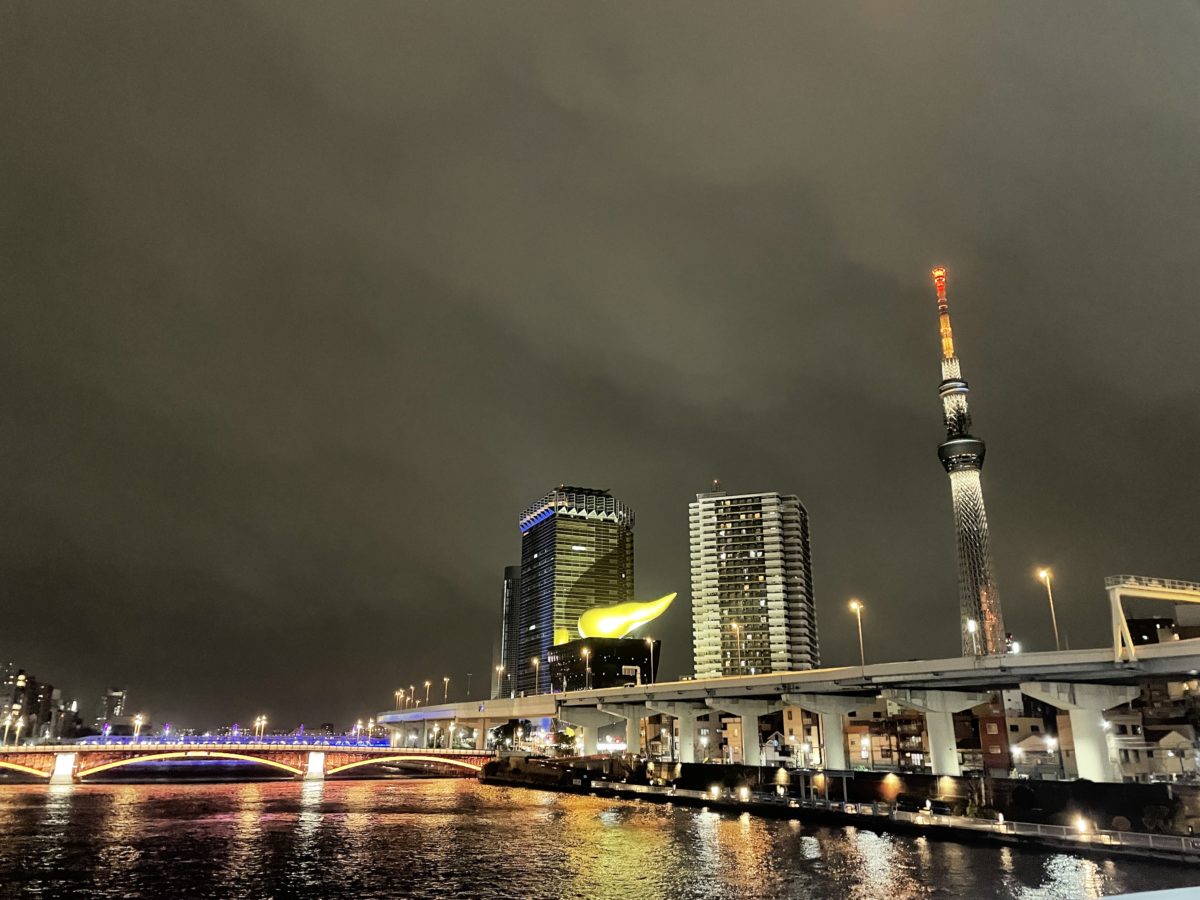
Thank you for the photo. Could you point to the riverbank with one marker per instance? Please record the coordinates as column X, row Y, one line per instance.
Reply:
column 882, row 817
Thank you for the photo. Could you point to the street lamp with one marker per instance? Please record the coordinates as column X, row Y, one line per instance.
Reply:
column 412, row 694
column 399, row 695
column 536, row 669
column 973, row 630
column 7, row 725
column 468, row 685
column 650, row 644
column 857, row 607
column 137, row 725
column 499, row 680
column 1045, row 575
column 737, row 636
column 587, row 667
column 427, row 683
column 20, row 725
column 445, row 688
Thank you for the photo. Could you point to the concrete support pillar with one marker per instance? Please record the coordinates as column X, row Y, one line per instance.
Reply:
column 64, row 769
column 686, row 715
column 829, row 709
column 591, row 720
column 749, row 712
column 1085, row 705
column 939, row 708
column 481, row 733
column 632, row 713
column 316, row 766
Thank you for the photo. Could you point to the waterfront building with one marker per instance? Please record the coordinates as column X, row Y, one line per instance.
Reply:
column 981, row 621
column 602, row 663
column 576, row 554
column 510, row 656
column 752, row 595
column 112, row 706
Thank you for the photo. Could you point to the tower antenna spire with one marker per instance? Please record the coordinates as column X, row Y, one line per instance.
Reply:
column 981, row 620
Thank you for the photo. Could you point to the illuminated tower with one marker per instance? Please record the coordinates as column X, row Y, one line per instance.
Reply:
column 962, row 456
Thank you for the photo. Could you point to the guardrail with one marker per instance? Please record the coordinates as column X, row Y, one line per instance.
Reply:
column 1087, row 837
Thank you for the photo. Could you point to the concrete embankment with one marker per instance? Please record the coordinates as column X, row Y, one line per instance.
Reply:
column 872, row 816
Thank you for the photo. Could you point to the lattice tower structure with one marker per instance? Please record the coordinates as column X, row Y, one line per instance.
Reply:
column 962, row 456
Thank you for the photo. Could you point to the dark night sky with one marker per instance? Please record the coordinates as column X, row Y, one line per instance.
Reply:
column 303, row 304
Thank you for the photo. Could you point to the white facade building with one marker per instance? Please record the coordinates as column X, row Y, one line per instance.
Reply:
column 752, row 597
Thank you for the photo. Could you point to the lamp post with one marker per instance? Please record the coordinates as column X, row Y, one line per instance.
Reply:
column 536, row 669
column 857, row 607
column 445, row 688
column 737, row 636
column 973, row 628
column 399, row 695
column 20, row 725
column 499, row 680
column 412, row 694
column 137, row 725
column 587, row 668
column 1045, row 575
column 427, row 683
column 650, row 644
column 7, row 725
column 468, row 685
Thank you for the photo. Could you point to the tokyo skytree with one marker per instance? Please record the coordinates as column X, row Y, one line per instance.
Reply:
column 962, row 455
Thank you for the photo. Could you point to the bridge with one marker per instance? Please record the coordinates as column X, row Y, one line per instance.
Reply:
column 70, row 763
column 1083, row 683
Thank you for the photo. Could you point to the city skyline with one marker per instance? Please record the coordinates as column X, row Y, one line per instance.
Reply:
column 305, row 307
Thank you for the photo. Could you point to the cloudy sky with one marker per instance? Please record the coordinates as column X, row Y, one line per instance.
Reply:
column 304, row 303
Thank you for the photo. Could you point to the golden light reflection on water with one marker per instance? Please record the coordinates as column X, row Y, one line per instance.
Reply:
column 457, row 838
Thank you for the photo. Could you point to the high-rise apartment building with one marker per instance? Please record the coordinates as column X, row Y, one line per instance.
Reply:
column 576, row 554
column 509, row 628
column 752, row 595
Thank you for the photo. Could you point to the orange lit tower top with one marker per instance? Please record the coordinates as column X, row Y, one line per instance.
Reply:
column 962, row 457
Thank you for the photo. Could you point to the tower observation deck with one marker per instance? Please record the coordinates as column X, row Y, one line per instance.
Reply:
column 981, row 620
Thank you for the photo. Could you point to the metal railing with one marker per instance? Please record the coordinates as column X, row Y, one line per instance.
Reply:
column 1144, row 581
column 1086, row 837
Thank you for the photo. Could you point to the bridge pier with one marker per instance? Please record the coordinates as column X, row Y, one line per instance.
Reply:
column 1085, row 705
column 829, row 709
column 686, row 715
column 64, row 769
column 315, row 770
column 632, row 713
column 591, row 721
column 749, row 712
column 939, row 708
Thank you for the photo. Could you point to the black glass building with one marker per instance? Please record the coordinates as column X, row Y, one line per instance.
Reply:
column 603, row 663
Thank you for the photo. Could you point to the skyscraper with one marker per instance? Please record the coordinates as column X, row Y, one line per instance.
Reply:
column 576, row 553
column 509, row 626
column 962, row 455
column 752, row 596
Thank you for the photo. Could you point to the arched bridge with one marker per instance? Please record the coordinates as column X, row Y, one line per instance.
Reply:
column 68, row 763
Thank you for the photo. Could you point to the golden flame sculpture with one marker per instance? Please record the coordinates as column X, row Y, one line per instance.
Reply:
column 617, row 621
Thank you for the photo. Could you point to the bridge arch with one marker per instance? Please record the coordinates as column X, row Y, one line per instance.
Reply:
column 407, row 757
column 185, row 754
column 25, row 770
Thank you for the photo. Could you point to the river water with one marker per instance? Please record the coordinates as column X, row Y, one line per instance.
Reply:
column 457, row 838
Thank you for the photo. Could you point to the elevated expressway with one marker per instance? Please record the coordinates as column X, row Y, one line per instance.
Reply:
column 1083, row 683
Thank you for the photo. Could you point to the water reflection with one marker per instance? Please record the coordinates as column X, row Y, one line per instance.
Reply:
column 437, row 838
